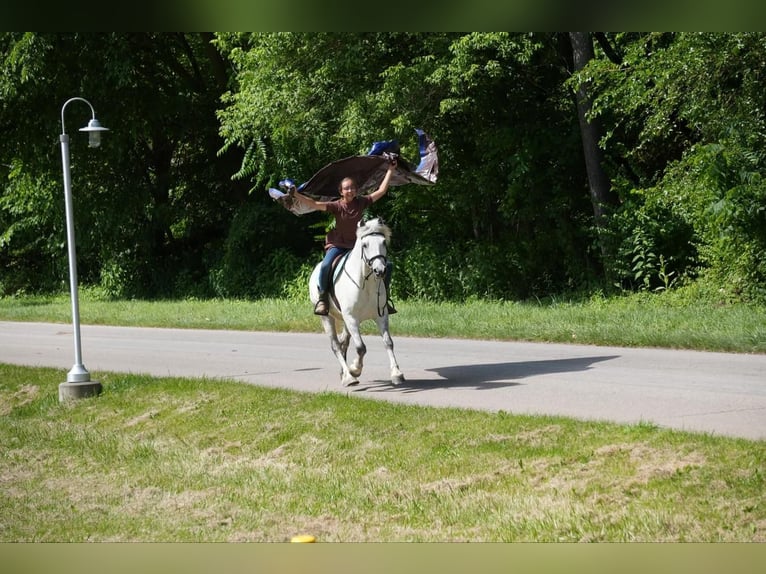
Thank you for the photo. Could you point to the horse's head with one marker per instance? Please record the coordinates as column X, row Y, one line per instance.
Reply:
column 373, row 235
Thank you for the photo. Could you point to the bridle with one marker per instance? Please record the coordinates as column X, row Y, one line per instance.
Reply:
column 369, row 261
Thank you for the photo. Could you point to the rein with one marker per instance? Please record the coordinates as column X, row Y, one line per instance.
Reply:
column 369, row 262
column 360, row 276
column 366, row 277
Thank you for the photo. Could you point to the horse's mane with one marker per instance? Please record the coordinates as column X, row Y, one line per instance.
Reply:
column 373, row 226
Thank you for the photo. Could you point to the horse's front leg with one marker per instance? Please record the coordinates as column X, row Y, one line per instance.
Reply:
column 339, row 350
column 397, row 378
column 352, row 326
column 344, row 339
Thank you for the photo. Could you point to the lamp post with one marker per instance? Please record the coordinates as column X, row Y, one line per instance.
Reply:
column 78, row 383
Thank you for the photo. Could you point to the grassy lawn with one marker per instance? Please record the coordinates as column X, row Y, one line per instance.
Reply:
column 179, row 460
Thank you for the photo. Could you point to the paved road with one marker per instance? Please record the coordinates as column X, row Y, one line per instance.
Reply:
column 718, row 393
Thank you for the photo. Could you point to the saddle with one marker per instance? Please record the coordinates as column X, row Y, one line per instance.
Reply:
column 335, row 271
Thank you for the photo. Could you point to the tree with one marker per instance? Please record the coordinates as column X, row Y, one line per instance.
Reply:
column 505, row 216
column 202, row 124
column 156, row 195
column 685, row 129
column 590, row 130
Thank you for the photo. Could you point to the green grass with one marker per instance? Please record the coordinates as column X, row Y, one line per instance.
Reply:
column 179, row 460
column 682, row 319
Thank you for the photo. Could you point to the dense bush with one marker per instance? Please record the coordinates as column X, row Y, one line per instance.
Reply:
column 724, row 187
column 654, row 242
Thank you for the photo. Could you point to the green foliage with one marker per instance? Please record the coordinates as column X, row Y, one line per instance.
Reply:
column 707, row 217
column 201, row 124
column 686, row 117
column 457, row 272
column 32, row 258
column 119, row 277
column 730, row 212
column 258, row 257
column 293, row 109
column 155, row 196
column 656, row 242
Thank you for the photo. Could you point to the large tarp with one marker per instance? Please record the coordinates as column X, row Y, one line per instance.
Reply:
column 367, row 170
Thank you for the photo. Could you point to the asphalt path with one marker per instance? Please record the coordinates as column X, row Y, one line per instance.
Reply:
column 717, row 393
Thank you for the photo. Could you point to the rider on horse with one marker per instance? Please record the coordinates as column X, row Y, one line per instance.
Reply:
column 348, row 212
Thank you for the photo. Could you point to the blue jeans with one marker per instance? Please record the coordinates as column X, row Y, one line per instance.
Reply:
column 326, row 268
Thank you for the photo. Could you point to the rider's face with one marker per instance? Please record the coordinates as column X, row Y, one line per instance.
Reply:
column 348, row 189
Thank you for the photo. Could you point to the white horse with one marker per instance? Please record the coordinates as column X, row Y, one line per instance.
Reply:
column 359, row 293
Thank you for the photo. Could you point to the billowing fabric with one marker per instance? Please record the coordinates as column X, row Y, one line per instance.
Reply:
column 367, row 170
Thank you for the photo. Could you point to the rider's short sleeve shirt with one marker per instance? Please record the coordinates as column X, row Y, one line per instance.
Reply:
column 347, row 217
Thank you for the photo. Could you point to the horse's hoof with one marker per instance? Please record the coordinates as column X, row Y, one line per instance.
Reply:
column 398, row 380
column 351, row 383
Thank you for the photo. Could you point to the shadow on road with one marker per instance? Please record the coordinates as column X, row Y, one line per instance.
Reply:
column 489, row 376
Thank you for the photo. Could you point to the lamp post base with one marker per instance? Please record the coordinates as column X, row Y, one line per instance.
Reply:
column 81, row 390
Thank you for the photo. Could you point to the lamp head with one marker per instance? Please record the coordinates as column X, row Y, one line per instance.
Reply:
column 94, row 129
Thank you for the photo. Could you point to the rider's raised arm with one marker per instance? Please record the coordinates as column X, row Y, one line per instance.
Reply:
column 383, row 189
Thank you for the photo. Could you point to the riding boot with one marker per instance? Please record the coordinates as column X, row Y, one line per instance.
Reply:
column 322, row 306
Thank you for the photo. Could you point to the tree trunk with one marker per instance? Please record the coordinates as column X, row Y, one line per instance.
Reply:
column 590, row 130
